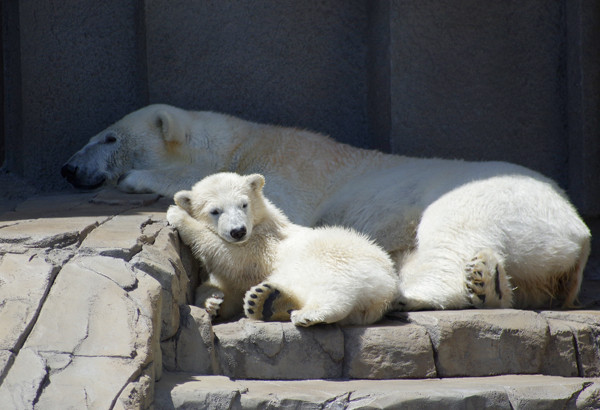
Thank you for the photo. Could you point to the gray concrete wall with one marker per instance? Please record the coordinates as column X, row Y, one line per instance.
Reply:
column 508, row 80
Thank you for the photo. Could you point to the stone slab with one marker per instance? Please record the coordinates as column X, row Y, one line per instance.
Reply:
column 180, row 390
column 20, row 387
column 87, row 382
column 194, row 345
column 119, row 237
column 485, row 343
column 86, row 313
column 160, row 259
column 249, row 349
column 24, row 282
column 416, row 345
column 59, row 232
column 388, row 350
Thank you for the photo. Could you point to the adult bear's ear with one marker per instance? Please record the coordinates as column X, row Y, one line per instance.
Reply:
column 171, row 128
column 183, row 199
column 256, row 181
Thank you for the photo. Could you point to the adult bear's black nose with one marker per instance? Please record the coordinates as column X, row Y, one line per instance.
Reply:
column 68, row 171
column 238, row 233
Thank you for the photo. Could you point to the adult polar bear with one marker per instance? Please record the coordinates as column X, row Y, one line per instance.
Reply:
column 483, row 234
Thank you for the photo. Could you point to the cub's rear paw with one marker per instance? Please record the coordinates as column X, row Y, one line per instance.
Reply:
column 487, row 284
column 265, row 302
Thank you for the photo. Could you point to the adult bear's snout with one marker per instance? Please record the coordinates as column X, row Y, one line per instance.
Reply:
column 68, row 171
column 79, row 179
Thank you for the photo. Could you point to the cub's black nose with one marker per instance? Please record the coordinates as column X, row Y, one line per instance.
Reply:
column 68, row 171
column 238, row 233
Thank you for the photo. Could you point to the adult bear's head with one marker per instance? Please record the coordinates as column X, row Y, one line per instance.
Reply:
column 152, row 137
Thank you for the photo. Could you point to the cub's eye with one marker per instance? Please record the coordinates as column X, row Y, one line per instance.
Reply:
column 110, row 139
column 215, row 212
column 245, row 205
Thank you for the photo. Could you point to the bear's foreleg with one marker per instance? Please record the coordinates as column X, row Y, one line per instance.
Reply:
column 165, row 181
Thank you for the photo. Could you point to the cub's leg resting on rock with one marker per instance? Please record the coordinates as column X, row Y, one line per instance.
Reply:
column 268, row 302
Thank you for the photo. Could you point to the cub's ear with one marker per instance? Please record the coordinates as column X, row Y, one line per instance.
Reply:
column 256, row 181
column 171, row 127
column 184, row 200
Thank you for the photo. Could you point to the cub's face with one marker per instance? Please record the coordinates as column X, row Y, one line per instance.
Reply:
column 225, row 202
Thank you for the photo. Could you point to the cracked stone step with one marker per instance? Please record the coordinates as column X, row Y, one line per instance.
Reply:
column 104, row 225
column 96, row 336
column 105, row 279
column 24, row 282
column 415, row 345
column 57, row 232
column 185, row 391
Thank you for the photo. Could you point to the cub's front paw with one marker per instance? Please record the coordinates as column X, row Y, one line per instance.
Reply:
column 487, row 284
column 211, row 302
column 176, row 216
column 212, row 305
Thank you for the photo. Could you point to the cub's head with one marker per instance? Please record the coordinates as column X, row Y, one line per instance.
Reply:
column 228, row 203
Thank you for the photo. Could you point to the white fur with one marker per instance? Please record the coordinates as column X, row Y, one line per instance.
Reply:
column 336, row 274
column 433, row 216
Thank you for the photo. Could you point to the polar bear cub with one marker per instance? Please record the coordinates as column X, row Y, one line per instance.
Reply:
column 261, row 263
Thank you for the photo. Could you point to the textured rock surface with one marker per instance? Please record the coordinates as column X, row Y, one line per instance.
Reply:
column 94, row 304
column 83, row 321
column 388, row 351
column 179, row 391
column 256, row 350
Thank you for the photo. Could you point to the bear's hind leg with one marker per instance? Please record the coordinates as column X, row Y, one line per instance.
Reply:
column 441, row 278
column 266, row 302
column 487, row 282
